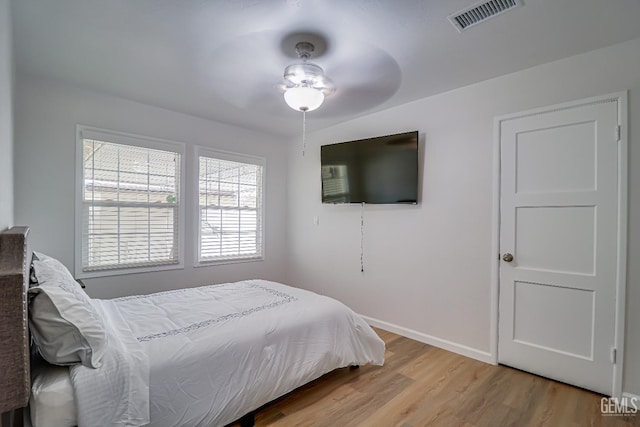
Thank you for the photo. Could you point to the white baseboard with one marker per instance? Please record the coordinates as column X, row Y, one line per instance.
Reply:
column 627, row 398
column 473, row 353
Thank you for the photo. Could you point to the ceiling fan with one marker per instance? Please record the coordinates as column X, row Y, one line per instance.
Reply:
column 256, row 70
column 305, row 85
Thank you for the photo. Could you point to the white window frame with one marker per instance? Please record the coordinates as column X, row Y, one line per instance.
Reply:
column 87, row 132
column 233, row 157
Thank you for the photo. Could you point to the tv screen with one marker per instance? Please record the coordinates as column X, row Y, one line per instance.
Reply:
column 382, row 170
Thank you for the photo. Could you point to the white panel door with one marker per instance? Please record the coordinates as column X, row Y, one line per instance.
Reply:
column 558, row 244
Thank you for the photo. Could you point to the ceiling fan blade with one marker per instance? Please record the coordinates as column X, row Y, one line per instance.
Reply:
column 362, row 76
column 247, row 67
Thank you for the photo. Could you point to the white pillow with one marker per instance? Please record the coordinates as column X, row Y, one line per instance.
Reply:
column 65, row 326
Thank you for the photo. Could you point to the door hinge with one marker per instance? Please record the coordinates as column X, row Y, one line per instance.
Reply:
column 613, row 355
column 618, row 131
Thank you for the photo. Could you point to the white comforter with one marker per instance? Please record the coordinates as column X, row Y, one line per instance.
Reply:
column 210, row 355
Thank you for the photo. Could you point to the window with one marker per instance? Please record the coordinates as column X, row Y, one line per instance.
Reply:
column 230, row 216
column 130, row 204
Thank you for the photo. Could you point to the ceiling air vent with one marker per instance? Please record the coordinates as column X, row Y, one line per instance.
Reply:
column 480, row 12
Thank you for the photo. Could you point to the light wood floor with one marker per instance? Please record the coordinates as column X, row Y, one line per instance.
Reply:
column 421, row 385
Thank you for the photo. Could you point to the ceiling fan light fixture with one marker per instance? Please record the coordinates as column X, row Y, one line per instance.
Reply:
column 303, row 98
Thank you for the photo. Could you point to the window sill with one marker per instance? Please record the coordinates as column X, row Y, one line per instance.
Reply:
column 126, row 271
column 227, row 261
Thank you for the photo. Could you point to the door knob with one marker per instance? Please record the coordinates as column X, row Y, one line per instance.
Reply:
column 507, row 257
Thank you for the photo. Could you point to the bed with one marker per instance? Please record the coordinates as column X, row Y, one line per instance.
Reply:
column 203, row 356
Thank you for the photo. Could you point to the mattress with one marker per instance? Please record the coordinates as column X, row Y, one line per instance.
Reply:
column 207, row 356
column 52, row 402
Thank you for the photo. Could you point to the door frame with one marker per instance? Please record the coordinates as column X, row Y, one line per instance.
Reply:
column 620, row 98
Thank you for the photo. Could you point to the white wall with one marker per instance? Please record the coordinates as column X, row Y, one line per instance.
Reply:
column 46, row 116
column 6, row 117
column 428, row 267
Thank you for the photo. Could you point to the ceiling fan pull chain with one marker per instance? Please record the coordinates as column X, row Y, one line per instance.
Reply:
column 304, row 131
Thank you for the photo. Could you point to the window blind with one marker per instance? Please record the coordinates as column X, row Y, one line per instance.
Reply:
column 230, row 210
column 130, row 206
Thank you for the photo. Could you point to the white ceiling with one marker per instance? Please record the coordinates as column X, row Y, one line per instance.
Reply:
column 223, row 59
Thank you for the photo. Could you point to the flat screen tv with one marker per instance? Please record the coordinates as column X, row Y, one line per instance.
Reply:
column 382, row 170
